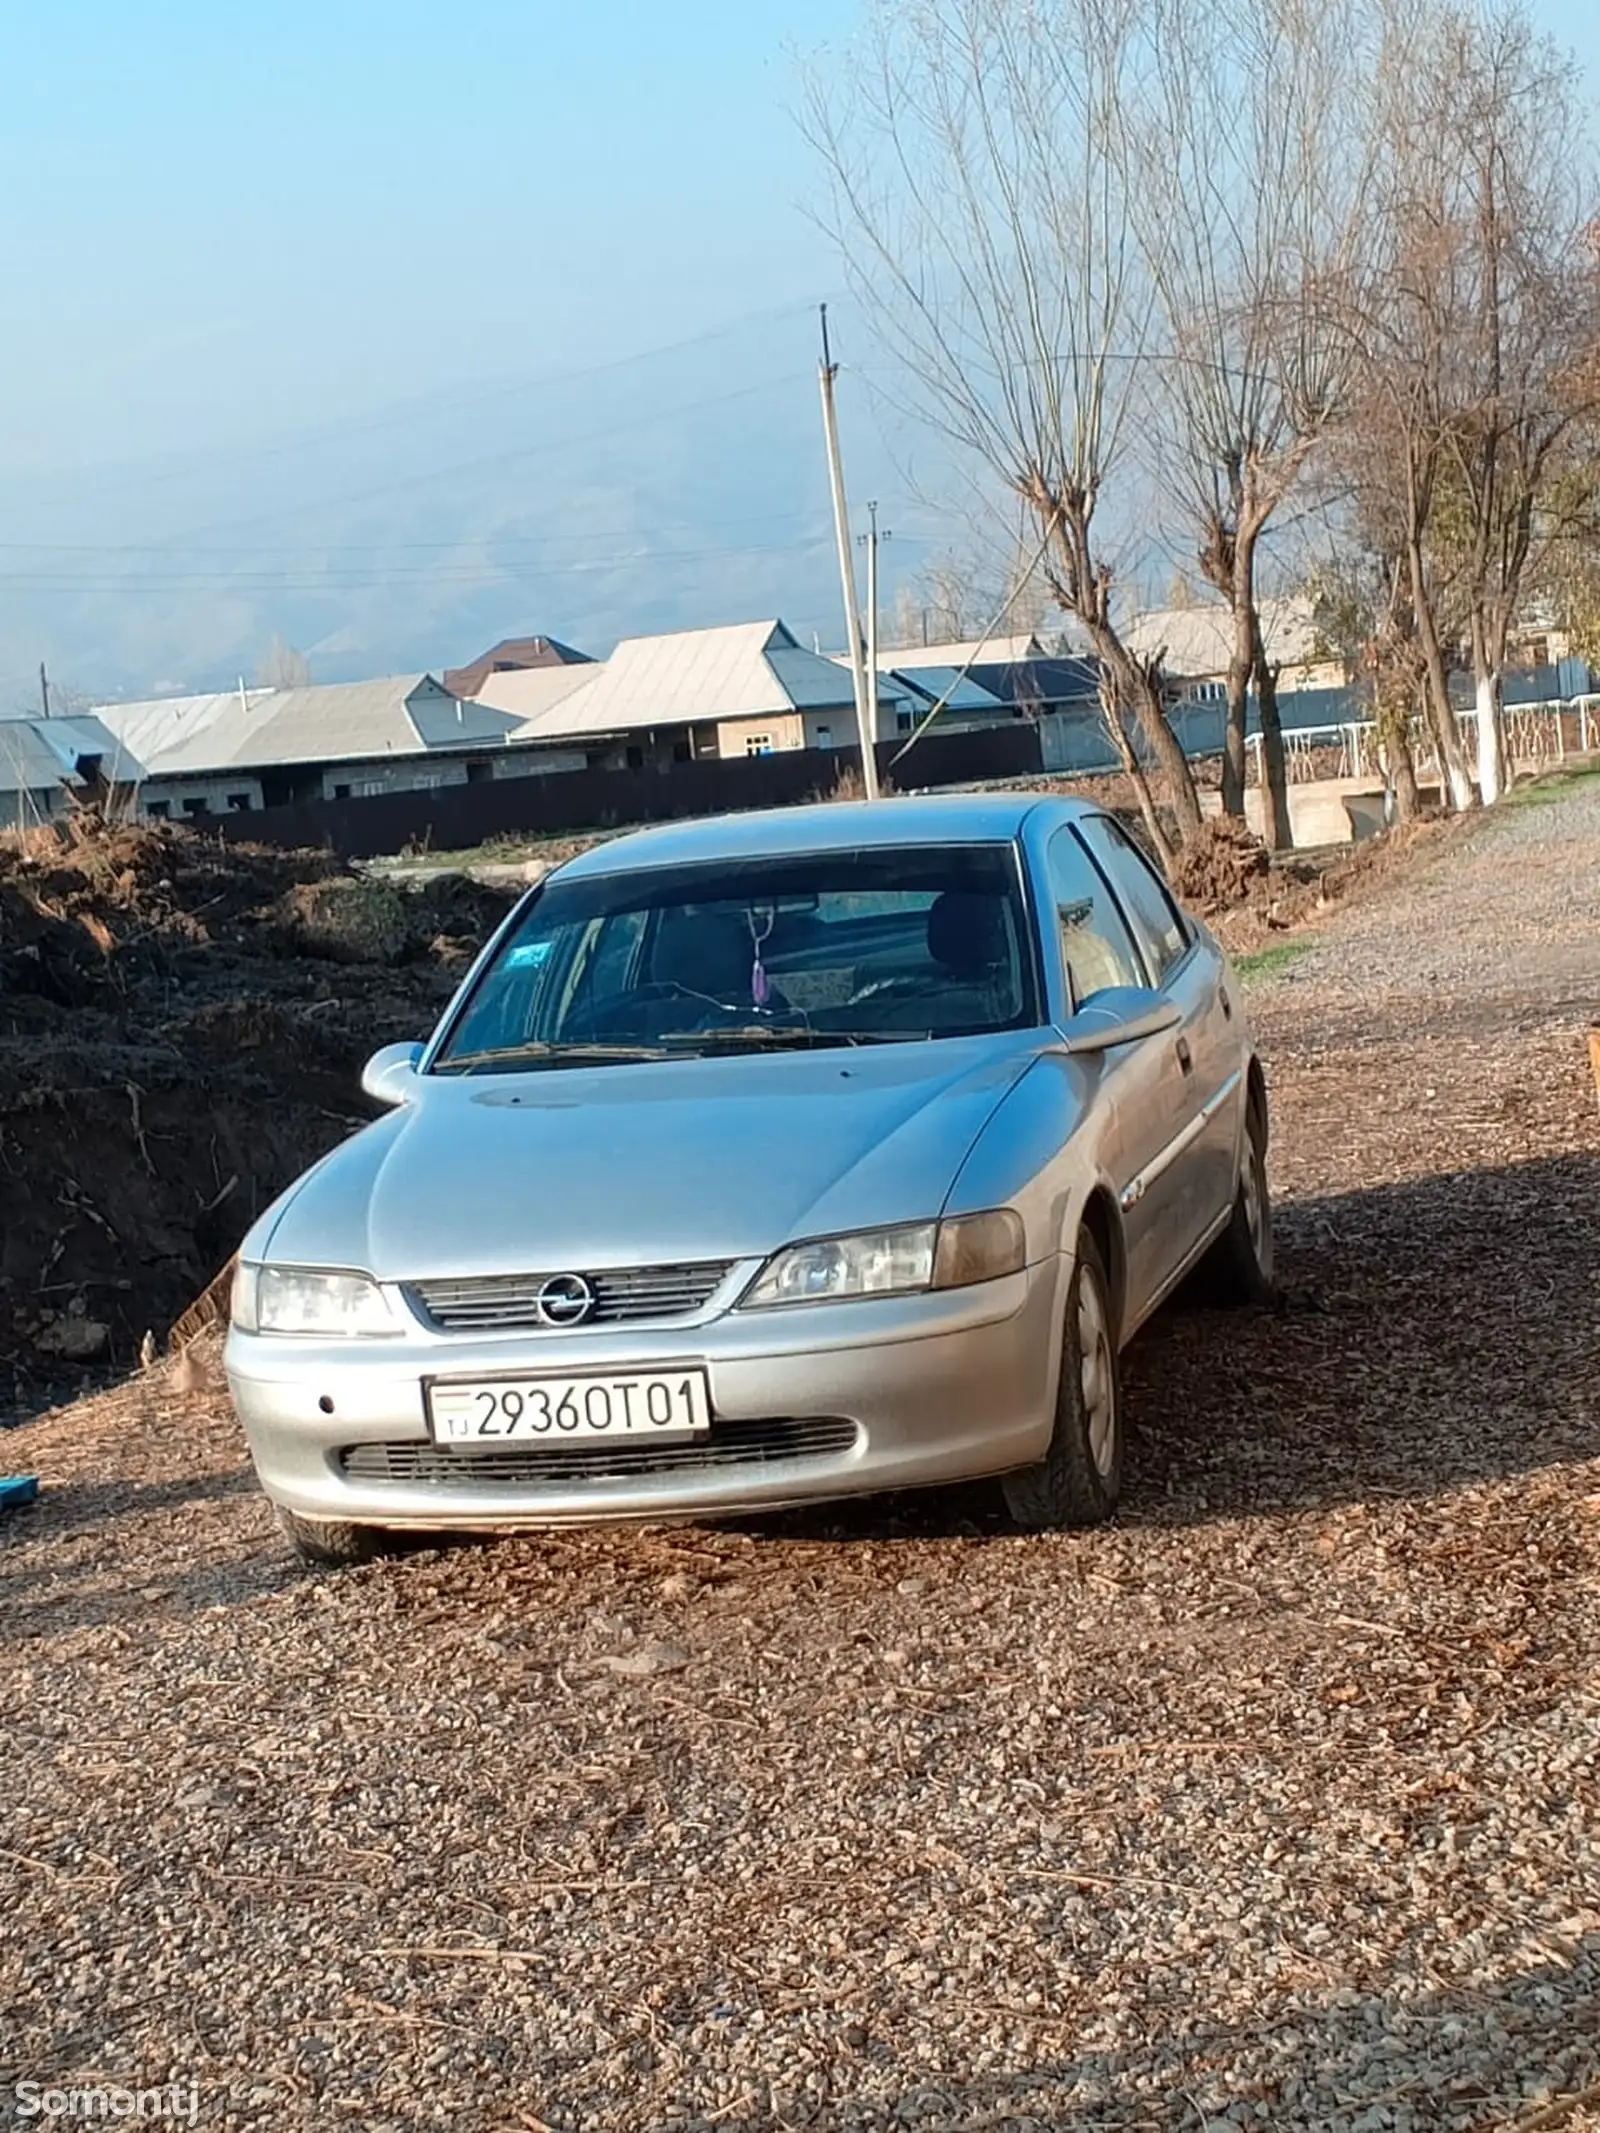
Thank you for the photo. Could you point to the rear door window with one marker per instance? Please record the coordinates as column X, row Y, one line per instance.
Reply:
column 1095, row 942
column 1159, row 926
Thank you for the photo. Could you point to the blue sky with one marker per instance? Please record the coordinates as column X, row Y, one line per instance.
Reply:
column 412, row 194
column 268, row 259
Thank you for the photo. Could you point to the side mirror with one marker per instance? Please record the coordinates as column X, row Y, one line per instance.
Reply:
column 1122, row 1014
column 387, row 1075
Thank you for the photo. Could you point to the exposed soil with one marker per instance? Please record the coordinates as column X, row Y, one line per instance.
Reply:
column 181, row 1029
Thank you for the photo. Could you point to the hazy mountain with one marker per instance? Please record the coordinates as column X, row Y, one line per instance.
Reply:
column 686, row 488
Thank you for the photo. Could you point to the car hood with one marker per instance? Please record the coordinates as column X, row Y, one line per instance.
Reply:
column 638, row 1165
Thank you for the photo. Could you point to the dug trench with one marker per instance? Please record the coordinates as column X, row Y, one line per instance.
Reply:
column 182, row 1028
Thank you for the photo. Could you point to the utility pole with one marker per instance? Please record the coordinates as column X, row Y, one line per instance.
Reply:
column 866, row 698
column 869, row 541
column 44, row 689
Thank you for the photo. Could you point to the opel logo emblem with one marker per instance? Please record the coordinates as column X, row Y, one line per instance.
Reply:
column 565, row 1300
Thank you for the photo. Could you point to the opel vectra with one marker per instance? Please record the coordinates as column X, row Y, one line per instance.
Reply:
column 759, row 1161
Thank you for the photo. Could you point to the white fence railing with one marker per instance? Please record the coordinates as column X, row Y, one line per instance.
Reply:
column 1537, row 735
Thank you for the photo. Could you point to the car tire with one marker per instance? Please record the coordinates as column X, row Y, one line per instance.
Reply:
column 332, row 1542
column 1079, row 1479
column 1239, row 1268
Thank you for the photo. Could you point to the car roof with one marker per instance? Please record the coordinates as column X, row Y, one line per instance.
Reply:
column 851, row 825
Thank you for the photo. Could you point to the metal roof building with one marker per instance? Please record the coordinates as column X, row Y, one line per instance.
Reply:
column 984, row 651
column 746, row 675
column 334, row 722
column 46, row 763
column 534, row 695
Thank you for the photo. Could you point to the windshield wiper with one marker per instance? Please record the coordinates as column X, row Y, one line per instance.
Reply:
column 574, row 1054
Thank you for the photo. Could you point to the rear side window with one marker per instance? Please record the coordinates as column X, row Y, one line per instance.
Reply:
column 1155, row 918
column 1095, row 943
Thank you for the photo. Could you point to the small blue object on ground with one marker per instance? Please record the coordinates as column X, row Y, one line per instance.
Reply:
column 17, row 1489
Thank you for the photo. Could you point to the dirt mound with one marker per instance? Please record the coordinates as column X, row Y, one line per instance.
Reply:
column 345, row 920
column 182, row 1024
column 1219, row 865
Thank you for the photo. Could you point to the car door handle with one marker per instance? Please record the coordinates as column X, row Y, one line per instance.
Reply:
column 1226, row 1002
column 1184, row 1058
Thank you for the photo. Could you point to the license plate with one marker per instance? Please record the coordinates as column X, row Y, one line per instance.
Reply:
column 660, row 1404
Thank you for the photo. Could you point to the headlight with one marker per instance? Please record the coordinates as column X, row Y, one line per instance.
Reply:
column 892, row 1262
column 286, row 1299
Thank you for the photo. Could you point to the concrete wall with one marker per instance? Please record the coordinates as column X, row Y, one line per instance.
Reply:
column 539, row 762
column 1322, row 811
column 212, row 794
column 781, row 730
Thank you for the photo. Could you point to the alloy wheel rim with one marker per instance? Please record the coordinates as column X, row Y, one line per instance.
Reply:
column 1096, row 1378
column 1258, row 1212
column 1252, row 1201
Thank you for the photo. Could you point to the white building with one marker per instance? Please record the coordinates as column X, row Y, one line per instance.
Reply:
column 748, row 688
column 1195, row 645
column 251, row 748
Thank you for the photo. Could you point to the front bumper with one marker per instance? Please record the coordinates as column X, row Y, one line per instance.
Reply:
column 919, row 1390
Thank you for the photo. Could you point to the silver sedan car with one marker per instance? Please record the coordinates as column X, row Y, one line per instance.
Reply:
column 762, row 1160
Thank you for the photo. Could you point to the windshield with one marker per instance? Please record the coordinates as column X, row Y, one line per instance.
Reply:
column 828, row 948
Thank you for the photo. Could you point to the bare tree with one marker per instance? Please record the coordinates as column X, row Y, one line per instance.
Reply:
column 1251, row 207
column 284, row 667
column 1362, row 617
column 1522, row 209
column 979, row 156
column 1473, row 340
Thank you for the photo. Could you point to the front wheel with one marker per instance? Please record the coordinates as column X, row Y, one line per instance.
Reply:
column 330, row 1541
column 1079, row 1479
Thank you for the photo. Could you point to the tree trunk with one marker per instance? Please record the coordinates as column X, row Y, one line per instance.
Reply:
column 1241, row 660
column 1492, row 769
column 1083, row 588
column 1132, row 686
column 1402, row 770
column 1277, row 828
column 1446, row 733
column 1160, row 842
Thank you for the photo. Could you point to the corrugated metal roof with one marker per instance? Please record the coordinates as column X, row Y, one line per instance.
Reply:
column 687, row 675
column 929, row 684
column 532, row 694
column 149, row 730
column 746, row 670
column 815, row 684
column 992, row 651
column 1197, row 640
column 38, row 753
column 335, row 722
column 510, row 655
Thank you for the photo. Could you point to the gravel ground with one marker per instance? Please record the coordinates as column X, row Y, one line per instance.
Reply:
column 1271, row 1806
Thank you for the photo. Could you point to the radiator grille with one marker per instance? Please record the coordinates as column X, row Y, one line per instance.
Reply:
column 510, row 1302
column 522, row 1466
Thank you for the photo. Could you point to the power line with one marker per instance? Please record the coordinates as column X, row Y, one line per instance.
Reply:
column 484, row 576
column 177, row 548
column 502, row 458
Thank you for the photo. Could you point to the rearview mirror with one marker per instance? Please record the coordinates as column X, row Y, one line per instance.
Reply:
column 388, row 1074
column 1122, row 1014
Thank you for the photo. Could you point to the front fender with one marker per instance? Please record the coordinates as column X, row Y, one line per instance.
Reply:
column 1039, row 1153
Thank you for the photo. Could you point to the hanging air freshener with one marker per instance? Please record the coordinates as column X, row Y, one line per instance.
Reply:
column 759, row 989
